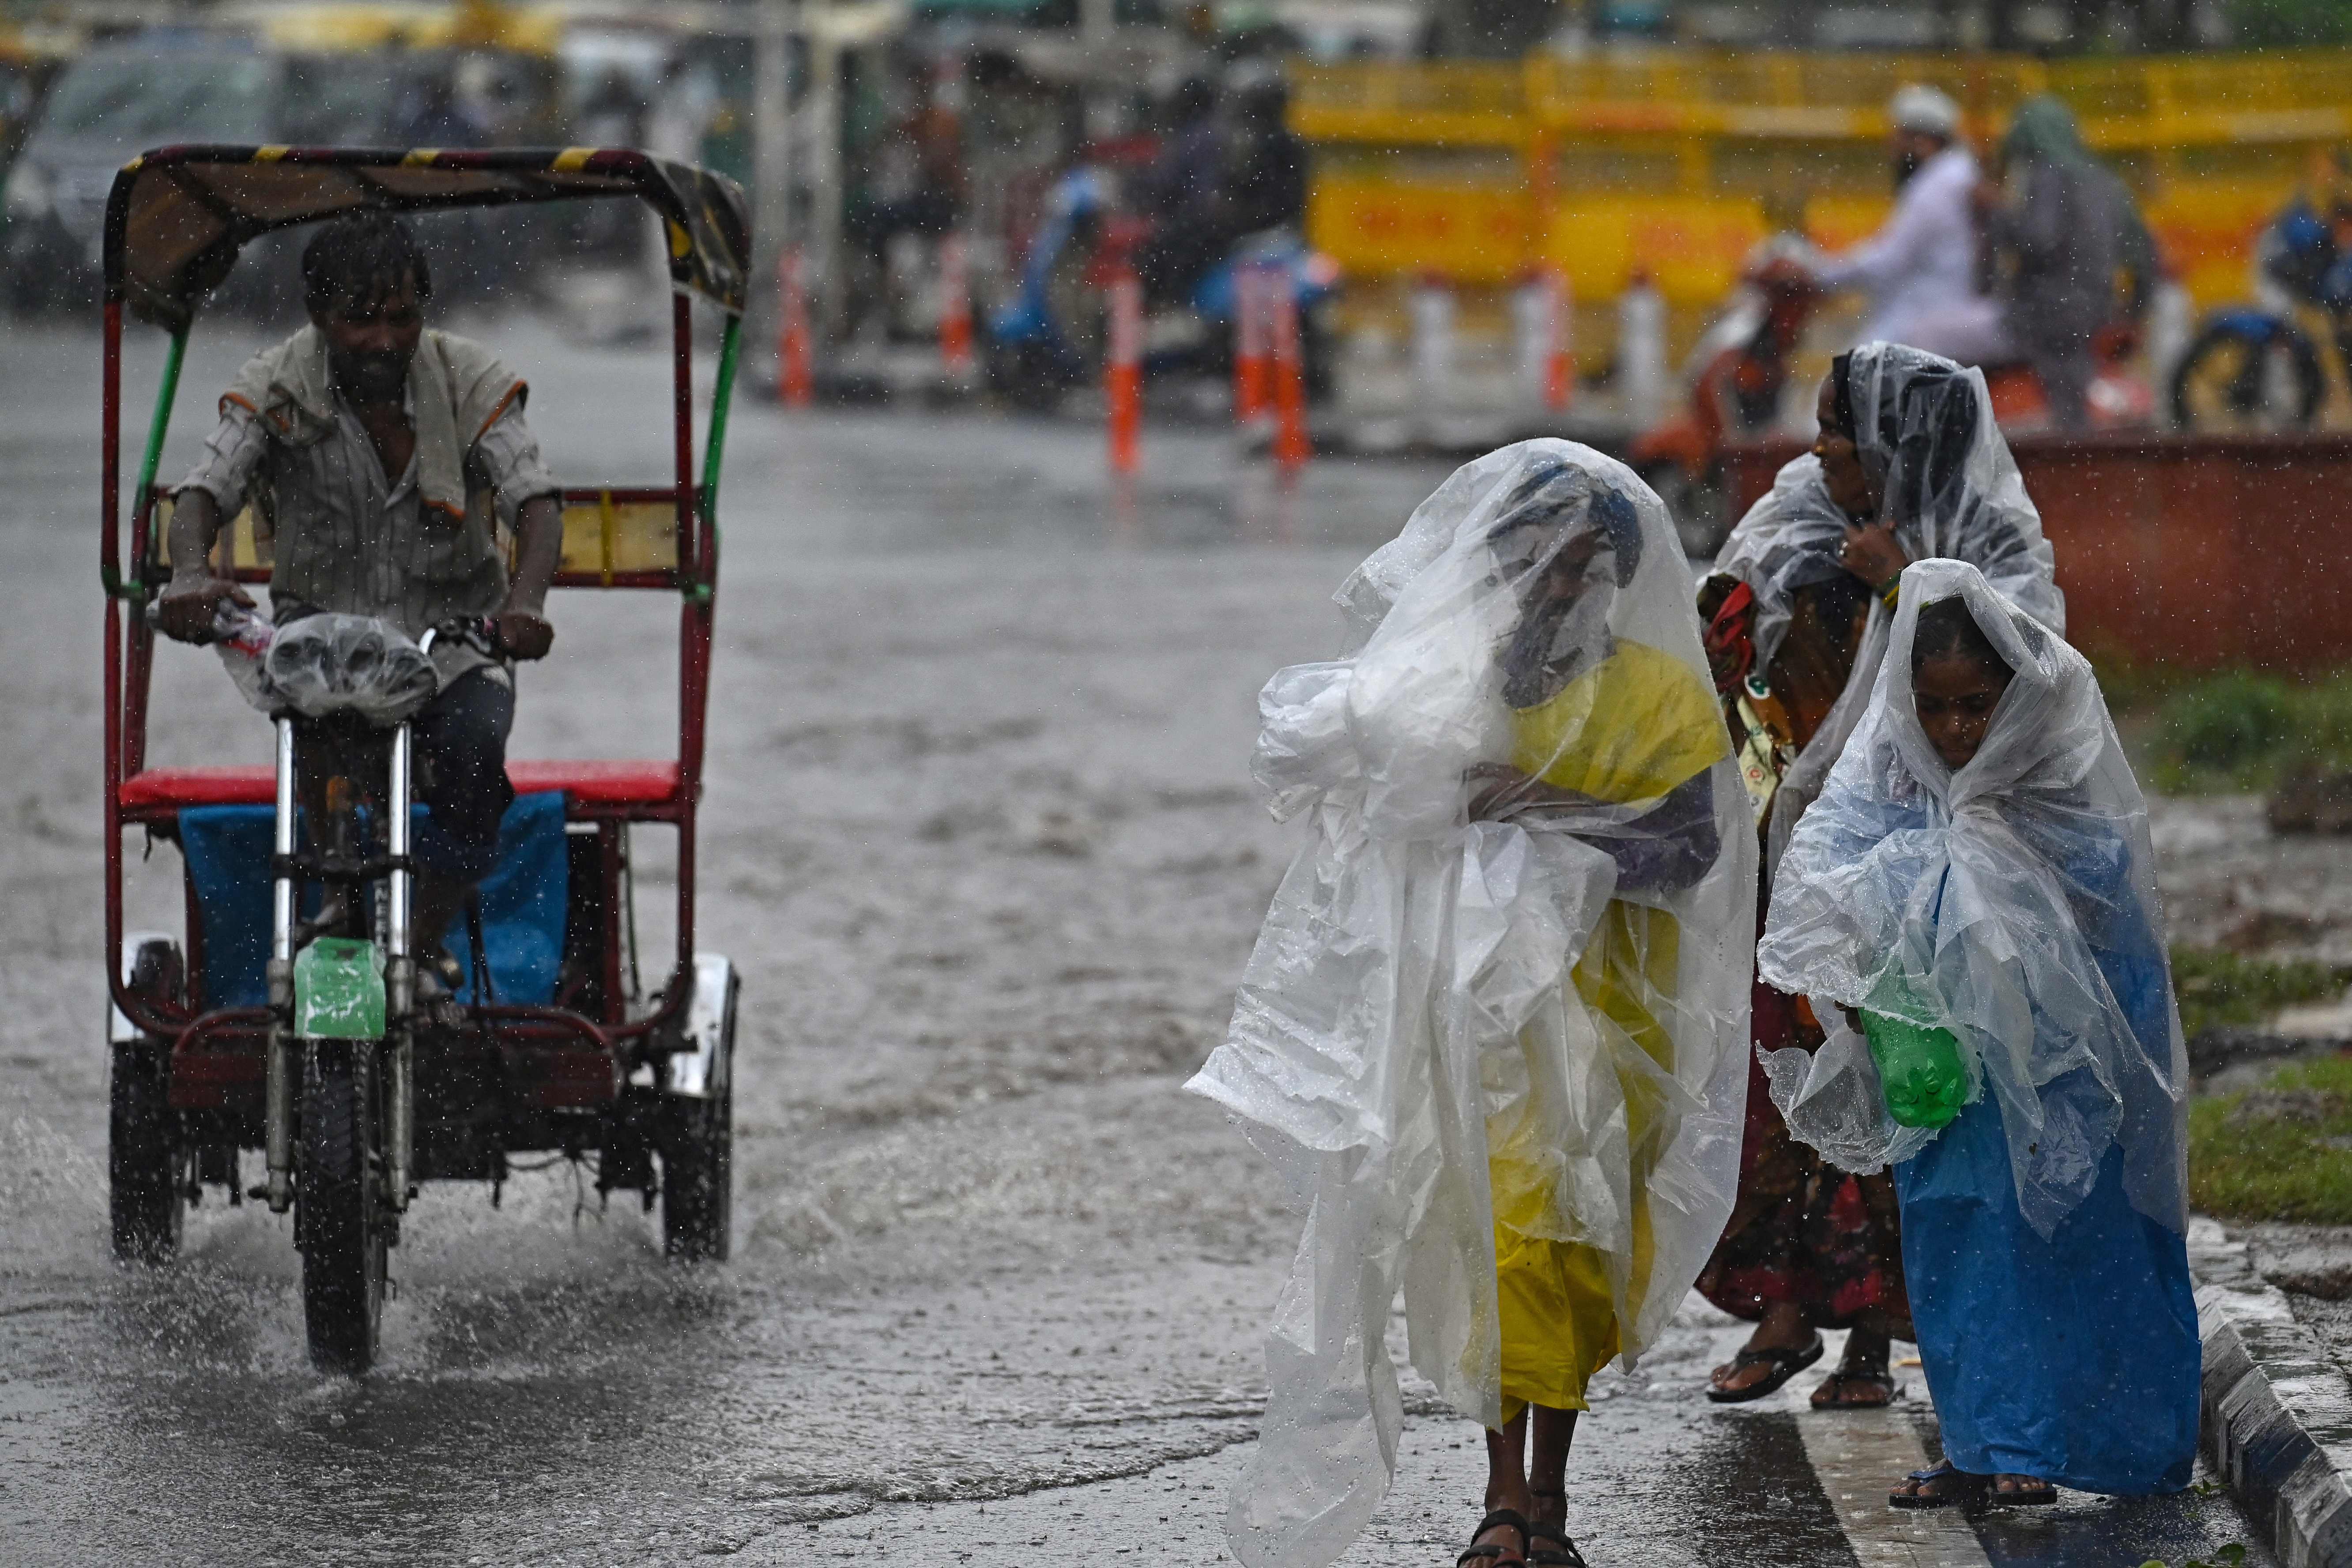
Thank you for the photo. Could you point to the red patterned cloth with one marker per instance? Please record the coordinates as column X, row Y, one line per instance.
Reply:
column 1803, row 1230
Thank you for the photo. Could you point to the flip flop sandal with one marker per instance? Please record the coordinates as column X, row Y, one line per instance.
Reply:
column 1785, row 1364
column 1955, row 1488
column 1494, row 1552
column 1564, row 1555
column 1835, row 1384
column 2040, row 1494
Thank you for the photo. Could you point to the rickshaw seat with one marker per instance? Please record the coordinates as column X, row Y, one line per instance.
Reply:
column 648, row 781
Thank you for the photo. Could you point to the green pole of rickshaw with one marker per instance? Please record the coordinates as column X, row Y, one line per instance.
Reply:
column 722, row 394
column 156, row 426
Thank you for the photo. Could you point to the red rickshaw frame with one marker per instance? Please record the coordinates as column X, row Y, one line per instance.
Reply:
column 201, row 205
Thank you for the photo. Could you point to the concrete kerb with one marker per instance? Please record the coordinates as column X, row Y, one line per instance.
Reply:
column 2277, row 1412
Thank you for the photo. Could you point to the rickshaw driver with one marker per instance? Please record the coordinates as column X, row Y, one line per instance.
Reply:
column 380, row 451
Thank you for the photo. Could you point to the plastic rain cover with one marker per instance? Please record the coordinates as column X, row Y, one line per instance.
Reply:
column 2013, row 903
column 1408, row 1043
column 325, row 664
column 1925, row 430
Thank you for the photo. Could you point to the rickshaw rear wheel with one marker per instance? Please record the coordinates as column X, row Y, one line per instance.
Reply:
column 342, row 1233
column 142, row 1156
column 698, row 1178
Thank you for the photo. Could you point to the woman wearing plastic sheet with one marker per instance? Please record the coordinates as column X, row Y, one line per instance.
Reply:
column 1976, row 884
column 1494, row 1028
column 1908, row 464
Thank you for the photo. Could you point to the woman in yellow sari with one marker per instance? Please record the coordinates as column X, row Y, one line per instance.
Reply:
column 1494, row 1029
column 1595, row 721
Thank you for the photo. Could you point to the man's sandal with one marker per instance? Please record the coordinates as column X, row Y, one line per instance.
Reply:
column 1784, row 1362
column 1492, row 1552
column 1564, row 1555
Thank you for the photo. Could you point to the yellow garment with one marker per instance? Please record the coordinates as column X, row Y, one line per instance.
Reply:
column 1631, row 730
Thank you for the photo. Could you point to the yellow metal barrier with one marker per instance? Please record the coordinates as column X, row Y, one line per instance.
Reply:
column 1674, row 162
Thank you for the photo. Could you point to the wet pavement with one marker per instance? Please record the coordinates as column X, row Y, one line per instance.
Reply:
column 979, row 834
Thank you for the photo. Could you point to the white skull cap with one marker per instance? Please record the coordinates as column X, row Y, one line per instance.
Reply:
column 1918, row 107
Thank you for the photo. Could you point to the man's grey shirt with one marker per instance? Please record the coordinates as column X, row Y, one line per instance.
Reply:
column 348, row 538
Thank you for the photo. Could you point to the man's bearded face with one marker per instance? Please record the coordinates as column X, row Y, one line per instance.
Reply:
column 371, row 340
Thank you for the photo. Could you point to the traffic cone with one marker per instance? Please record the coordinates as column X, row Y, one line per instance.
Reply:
column 1250, row 291
column 1291, row 446
column 796, row 379
column 955, row 310
column 1642, row 351
column 1123, row 374
column 1432, row 309
column 1547, row 356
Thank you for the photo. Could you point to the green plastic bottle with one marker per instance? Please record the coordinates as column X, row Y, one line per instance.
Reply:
column 1921, row 1070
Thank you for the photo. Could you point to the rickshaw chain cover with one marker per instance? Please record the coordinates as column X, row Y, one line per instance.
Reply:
column 177, row 216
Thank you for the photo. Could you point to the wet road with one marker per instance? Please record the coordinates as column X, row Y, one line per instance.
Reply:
column 980, row 837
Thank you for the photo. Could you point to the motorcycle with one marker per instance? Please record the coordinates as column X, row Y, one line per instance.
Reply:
column 1052, row 336
column 2256, row 367
column 1738, row 373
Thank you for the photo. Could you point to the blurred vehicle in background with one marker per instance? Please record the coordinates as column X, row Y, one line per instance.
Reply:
column 1735, row 380
column 2256, row 367
column 30, row 59
column 1052, row 336
column 1737, row 376
column 177, row 85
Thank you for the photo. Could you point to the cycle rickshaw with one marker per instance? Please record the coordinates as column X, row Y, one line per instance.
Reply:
column 313, row 1047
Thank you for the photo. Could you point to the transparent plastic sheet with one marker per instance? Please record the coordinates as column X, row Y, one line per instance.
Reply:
column 325, row 664
column 2013, row 903
column 1924, row 429
column 1408, row 1043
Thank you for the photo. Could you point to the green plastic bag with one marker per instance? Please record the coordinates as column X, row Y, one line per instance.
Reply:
column 1921, row 1070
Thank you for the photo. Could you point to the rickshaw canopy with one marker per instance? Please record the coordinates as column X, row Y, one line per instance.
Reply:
column 177, row 216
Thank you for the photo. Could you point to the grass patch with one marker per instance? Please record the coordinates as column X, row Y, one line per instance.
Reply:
column 2283, row 1152
column 2228, row 731
column 2224, row 990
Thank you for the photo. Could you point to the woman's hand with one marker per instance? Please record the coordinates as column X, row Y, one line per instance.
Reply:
column 1873, row 553
column 1495, row 789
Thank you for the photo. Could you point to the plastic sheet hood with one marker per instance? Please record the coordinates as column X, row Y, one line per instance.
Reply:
column 1536, row 1019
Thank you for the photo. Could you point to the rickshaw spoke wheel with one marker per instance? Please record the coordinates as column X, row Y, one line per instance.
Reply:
column 342, row 1231
column 143, row 1157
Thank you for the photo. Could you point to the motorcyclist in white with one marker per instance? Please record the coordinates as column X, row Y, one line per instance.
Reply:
column 1920, row 268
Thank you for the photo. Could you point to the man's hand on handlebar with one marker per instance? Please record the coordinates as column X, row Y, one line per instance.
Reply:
column 520, row 634
column 186, row 609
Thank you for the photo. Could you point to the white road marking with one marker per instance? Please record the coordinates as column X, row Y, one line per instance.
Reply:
column 1859, row 1455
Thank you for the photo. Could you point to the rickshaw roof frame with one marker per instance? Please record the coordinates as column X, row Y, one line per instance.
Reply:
column 177, row 217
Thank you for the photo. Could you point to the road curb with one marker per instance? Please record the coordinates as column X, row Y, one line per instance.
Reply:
column 2277, row 1412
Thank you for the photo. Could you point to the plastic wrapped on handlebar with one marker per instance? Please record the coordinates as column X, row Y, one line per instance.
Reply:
column 326, row 664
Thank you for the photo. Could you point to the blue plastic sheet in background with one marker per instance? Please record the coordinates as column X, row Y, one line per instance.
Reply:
column 228, row 850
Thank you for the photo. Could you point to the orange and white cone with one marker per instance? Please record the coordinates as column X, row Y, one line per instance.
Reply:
column 1250, row 335
column 796, row 376
column 1123, row 374
column 1547, row 354
column 955, row 310
column 1291, row 444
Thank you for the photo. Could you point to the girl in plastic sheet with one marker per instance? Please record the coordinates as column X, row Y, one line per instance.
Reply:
column 1975, row 890
column 1494, row 1028
column 1908, row 464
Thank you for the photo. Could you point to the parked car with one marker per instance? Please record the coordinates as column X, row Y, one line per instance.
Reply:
column 165, row 87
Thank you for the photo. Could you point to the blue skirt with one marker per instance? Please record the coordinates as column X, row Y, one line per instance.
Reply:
column 2076, row 1359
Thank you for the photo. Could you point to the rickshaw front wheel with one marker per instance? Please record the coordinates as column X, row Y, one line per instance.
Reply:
column 339, row 1222
column 697, row 1153
column 142, row 1156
